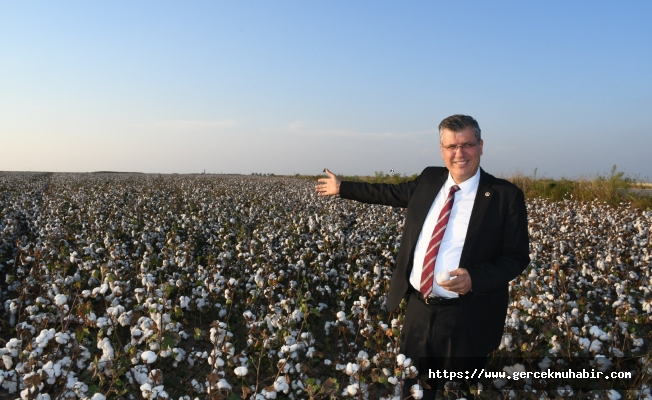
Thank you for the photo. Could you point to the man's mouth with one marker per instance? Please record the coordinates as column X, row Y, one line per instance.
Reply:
column 460, row 163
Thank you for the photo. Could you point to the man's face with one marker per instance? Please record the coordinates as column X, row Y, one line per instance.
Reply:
column 461, row 153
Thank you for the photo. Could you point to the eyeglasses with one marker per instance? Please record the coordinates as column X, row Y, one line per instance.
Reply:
column 464, row 146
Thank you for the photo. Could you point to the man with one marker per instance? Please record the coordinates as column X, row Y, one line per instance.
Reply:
column 460, row 220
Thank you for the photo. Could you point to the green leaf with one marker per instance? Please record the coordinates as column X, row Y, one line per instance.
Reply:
column 168, row 340
column 92, row 389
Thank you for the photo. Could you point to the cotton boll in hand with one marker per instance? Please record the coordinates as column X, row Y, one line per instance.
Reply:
column 443, row 276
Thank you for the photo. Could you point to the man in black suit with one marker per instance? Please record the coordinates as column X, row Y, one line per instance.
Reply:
column 483, row 245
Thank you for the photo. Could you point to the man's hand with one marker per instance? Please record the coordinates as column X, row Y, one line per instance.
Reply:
column 461, row 284
column 328, row 186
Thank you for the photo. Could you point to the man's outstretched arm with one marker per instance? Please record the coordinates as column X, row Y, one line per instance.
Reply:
column 328, row 186
column 395, row 195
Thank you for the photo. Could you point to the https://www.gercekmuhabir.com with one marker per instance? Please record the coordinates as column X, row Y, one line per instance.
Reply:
column 518, row 375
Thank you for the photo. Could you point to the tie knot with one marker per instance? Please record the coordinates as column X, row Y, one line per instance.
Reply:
column 454, row 189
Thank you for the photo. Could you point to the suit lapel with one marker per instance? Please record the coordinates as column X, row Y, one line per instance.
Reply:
column 482, row 199
column 431, row 188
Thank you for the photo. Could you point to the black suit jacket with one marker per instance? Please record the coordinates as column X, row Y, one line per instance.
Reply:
column 496, row 248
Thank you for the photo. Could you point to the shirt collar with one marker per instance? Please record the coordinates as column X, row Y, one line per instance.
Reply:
column 468, row 186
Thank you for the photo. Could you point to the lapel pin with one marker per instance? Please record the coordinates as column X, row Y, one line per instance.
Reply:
column 486, row 194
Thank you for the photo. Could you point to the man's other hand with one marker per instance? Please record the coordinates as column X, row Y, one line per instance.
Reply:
column 459, row 285
column 328, row 186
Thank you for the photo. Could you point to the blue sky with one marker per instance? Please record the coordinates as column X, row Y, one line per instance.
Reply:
column 294, row 86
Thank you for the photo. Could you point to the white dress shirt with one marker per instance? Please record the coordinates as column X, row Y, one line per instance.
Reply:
column 452, row 243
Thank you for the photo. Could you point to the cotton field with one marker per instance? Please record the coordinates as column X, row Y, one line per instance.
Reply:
column 216, row 287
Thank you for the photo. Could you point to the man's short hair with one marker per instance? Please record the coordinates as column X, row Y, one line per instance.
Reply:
column 457, row 123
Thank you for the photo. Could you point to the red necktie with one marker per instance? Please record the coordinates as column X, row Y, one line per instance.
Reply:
column 435, row 241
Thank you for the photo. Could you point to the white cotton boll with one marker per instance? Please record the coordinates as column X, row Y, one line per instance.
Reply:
column 179, row 354
column 400, row 359
column 13, row 346
column 62, row 337
column 341, row 316
column 351, row 368
column 103, row 321
column 613, row 395
column 98, row 396
column 104, row 288
column 281, row 385
column 443, row 276
column 115, row 311
column 499, row 383
column 185, row 301
column 510, row 370
column 596, row 331
column 223, row 384
column 146, row 388
column 393, row 380
column 327, row 362
column 268, row 395
column 584, row 343
column 352, row 390
column 596, row 345
column 60, row 299
column 602, row 362
column 8, row 362
column 506, row 342
column 417, row 391
column 297, row 315
column 407, row 363
column 125, row 318
column 148, row 356
column 44, row 337
column 241, row 371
